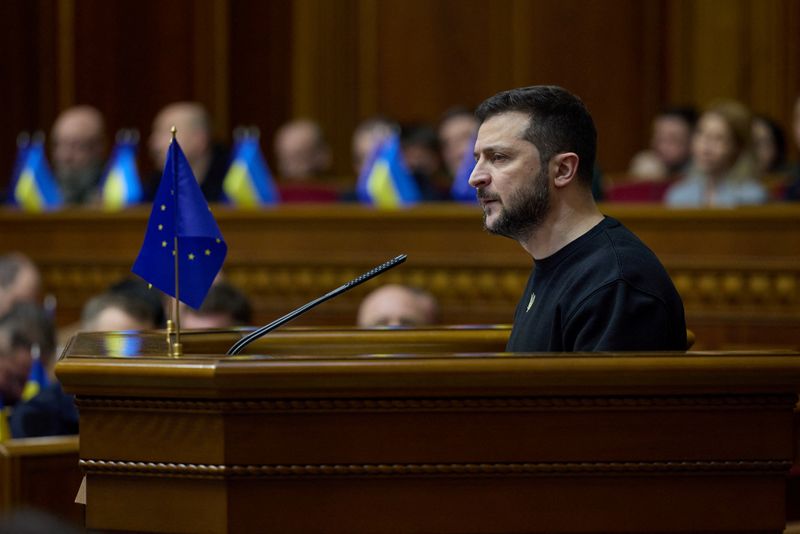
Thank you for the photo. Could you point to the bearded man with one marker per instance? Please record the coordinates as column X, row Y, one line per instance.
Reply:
column 594, row 286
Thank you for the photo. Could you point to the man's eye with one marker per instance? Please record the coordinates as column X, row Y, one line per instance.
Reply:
column 498, row 157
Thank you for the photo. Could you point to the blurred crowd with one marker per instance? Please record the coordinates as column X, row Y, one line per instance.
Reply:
column 723, row 155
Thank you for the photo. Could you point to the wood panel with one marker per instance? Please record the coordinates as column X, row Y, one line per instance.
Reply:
column 41, row 473
column 261, row 63
column 738, row 271
column 329, row 442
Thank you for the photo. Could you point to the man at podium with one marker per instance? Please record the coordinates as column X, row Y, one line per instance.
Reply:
column 595, row 286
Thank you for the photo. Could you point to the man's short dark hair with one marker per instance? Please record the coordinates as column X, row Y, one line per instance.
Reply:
column 559, row 122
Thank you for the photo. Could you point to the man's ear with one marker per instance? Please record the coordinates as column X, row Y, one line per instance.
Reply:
column 564, row 168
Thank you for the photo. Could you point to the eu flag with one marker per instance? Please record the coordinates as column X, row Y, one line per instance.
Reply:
column 385, row 180
column 180, row 211
column 34, row 188
column 248, row 182
column 121, row 185
column 461, row 190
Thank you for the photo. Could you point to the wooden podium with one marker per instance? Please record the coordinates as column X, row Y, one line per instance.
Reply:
column 427, row 431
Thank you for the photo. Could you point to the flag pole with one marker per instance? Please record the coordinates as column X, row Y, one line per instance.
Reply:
column 177, row 349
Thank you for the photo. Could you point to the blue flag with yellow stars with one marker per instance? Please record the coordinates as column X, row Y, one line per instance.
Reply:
column 180, row 211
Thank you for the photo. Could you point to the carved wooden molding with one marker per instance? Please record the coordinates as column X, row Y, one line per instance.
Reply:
column 780, row 402
column 110, row 467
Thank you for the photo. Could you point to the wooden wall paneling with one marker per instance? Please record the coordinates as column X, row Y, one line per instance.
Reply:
column 132, row 58
column 261, row 48
column 607, row 53
column 432, row 56
column 211, row 62
column 66, row 53
column 29, row 83
column 325, row 79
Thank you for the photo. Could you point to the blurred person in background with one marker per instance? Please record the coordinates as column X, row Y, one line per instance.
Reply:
column 79, row 150
column 793, row 190
column 20, row 281
column 224, row 306
column 26, row 332
column 301, row 151
column 208, row 160
column 723, row 170
column 367, row 136
column 398, row 305
column 670, row 146
column 457, row 129
column 420, row 147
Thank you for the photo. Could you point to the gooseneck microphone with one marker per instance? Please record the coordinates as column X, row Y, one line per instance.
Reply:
column 237, row 347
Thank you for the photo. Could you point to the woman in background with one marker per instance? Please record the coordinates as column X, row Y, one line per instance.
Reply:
column 723, row 169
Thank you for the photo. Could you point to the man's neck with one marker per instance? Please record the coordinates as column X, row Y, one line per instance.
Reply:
column 564, row 224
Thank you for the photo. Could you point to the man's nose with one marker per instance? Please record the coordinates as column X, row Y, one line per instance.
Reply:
column 480, row 177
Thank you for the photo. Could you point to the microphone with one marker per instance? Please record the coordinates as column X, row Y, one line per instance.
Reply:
column 237, row 347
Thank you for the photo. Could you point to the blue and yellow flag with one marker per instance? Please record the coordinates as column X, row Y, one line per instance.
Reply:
column 121, row 185
column 5, row 429
column 248, row 182
column 37, row 377
column 386, row 181
column 34, row 188
column 181, row 214
column 461, row 190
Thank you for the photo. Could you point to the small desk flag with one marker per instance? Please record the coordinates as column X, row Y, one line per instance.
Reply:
column 35, row 188
column 121, row 185
column 180, row 211
column 461, row 190
column 37, row 377
column 248, row 182
column 385, row 180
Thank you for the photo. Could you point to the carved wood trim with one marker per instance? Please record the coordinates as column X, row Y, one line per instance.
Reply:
column 127, row 468
column 726, row 402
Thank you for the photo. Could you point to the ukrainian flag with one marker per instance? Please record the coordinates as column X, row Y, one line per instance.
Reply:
column 37, row 378
column 248, row 182
column 121, row 185
column 5, row 429
column 461, row 190
column 35, row 189
column 385, row 180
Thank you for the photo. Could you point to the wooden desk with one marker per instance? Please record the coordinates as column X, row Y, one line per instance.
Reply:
column 41, row 473
column 316, row 442
column 738, row 271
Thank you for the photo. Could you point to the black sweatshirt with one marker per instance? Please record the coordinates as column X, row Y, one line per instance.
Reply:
column 605, row 291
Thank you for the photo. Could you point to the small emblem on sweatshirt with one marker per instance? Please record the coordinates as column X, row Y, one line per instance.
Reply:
column 530, row 302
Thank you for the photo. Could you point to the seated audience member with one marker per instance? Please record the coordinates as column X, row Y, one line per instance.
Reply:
column 723, row 166
column 457, row 129
column 24, row 329
column 52, row 412
column 397, row 305
column 793, row 190
column 301, row 151
column 20, row 280
column 117, row 311
column 303, row 159
column 420, row 148
column 769, row 146
column 366, row 137
column 79, row 149
column 670, row 146
column 224, row 306
column 209, row 161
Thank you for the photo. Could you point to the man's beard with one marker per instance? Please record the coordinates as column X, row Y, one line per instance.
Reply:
column 524, row 211
column 78, row 185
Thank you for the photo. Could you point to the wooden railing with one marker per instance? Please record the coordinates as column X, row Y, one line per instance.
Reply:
column 738, row 271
